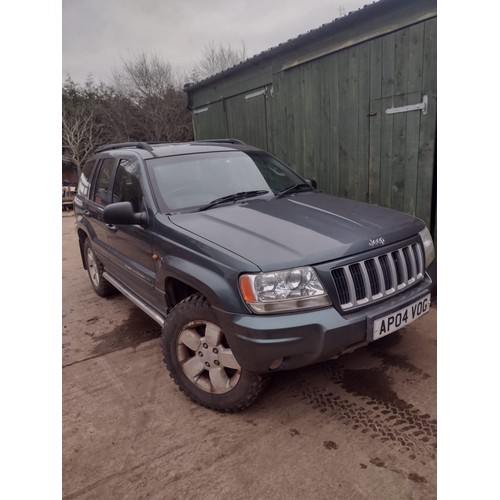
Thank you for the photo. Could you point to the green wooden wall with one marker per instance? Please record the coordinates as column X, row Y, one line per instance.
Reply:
column 326, row 118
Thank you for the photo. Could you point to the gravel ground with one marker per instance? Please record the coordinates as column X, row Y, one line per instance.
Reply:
column 360, row 427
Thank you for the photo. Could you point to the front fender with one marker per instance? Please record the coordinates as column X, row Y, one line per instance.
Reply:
column 219, row 286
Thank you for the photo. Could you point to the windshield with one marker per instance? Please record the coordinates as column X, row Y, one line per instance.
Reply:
column 187, row 182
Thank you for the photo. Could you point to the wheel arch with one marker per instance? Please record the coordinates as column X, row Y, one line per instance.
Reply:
column 176, row 291
column 82, row 236
column 189, row 278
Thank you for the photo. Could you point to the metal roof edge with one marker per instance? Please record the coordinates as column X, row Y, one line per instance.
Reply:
column 354, row 41
column 350, row 18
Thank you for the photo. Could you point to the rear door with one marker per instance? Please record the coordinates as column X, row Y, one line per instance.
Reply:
column 130, row 246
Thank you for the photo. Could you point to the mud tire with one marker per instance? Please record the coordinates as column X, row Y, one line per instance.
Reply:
column 194, row 315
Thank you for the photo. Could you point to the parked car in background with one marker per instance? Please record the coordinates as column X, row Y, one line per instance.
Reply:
column 68, row 195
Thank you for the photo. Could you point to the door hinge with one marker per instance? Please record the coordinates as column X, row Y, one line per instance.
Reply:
column 422, row 106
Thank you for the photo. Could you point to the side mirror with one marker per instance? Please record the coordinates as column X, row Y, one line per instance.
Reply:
column 312, row 183
column 123, row 213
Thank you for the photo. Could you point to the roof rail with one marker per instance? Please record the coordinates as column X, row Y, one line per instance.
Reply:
column 138, row 145
column 230, row 141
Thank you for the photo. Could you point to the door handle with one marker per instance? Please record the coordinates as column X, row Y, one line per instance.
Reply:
column 112, row 227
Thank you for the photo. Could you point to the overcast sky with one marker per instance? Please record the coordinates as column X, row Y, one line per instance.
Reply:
column 99, row 34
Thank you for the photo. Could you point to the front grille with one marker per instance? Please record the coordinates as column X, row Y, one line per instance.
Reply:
column 366, row 281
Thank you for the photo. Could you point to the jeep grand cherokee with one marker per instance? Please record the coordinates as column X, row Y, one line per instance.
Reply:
column 248, row 267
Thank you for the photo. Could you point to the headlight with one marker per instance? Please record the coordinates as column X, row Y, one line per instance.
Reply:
column 428, row 246
column 287, row 290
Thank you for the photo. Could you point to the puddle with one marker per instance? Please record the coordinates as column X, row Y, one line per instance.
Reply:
column 134, row 331
column 373, row 383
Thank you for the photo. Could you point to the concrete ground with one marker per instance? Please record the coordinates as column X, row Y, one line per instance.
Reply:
column 360, row 427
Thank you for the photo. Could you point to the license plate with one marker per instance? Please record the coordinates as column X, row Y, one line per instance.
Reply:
column 401, row 318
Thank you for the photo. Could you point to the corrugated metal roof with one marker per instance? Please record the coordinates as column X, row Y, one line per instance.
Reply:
column 350, row 18
column 290, row 43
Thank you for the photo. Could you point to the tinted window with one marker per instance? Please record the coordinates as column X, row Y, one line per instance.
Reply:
column 127, row 186
column 102, row 182
column 84, row 182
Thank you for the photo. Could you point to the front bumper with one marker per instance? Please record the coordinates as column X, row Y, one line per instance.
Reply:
column 288, row 341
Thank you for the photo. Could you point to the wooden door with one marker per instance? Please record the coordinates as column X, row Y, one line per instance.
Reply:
column 401, row 152
column 247, row 119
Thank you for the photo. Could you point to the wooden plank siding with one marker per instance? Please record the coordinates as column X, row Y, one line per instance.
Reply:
column 362, row 182
column 375, row 109
column 401, row 157
column 210, row 121
column 325, row 137
column 278, row 125
column 333, row 128
column 326, row 117
column 247, row 119
column 427, row 142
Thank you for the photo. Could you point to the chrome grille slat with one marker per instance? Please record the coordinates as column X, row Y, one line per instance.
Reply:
column 350, row 285
column 373, row 276
column 413, row 264
column 366, row 281
column 394, row 272
column 366, row 278
column 404, row 270
column 380, row 274
column 420, row 260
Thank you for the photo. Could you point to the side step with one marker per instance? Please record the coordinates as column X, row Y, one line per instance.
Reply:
column 133, row 298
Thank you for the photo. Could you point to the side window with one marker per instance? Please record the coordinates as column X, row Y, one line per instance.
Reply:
column 127, row 186
column 84, row 182
column 100, row 195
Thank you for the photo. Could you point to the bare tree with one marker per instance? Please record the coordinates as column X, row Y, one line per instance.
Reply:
column 81, row 128
column 80, row 137
column 157, row 105
column 145, row 103
column 144, row 76
column 118, row 113
column 215, row 59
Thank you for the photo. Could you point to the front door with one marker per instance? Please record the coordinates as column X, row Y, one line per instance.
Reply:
column 130, row 246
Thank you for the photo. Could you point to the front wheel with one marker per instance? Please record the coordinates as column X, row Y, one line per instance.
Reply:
column 199, row 359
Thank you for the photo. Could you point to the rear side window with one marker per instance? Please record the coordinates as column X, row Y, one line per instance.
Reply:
column 101, row 195
column 84, row 182
column 127, row 186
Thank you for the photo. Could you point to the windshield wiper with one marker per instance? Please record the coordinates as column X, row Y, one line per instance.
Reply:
column 233, row 197
column 293, row 188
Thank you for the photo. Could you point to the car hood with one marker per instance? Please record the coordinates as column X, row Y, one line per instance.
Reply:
column 307, row 228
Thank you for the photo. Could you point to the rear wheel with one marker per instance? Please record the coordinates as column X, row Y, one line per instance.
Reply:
column 201, row 362
column 95, row 269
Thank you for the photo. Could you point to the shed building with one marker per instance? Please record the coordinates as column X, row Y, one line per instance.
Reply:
column 351, row 104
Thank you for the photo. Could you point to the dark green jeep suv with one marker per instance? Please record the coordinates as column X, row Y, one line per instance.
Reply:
column 248, row 267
